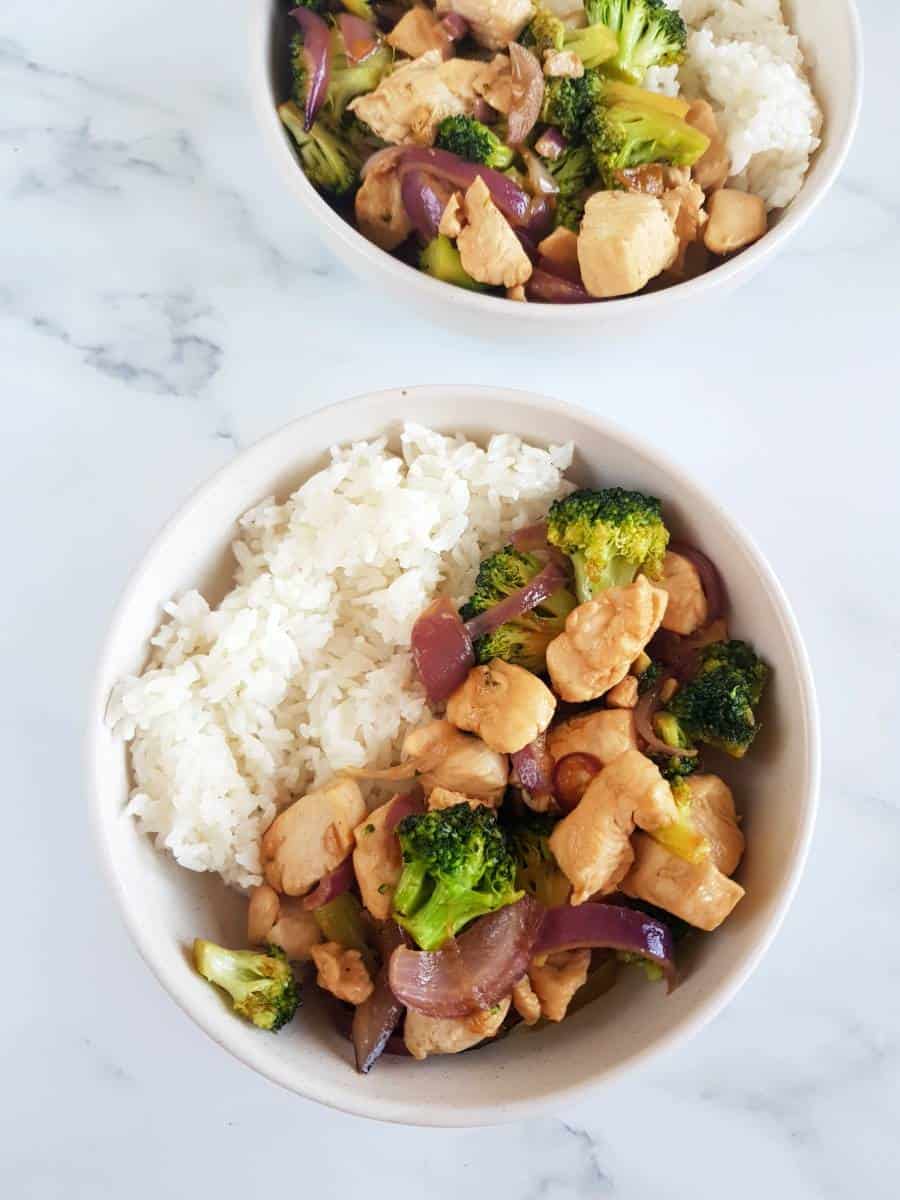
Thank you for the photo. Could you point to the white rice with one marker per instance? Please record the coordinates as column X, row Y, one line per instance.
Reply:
column 304, row 667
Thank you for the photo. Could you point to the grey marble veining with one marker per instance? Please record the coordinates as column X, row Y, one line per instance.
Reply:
column 163, row 304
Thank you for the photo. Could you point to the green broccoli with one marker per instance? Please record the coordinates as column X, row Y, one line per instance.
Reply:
column 537, row 872
column 610, row 536
column 261, row 986
column 681, row 836
column 628, row 134
column 717, row 706
column 523, row 641
column 470, row 139
column 574, row 172
column 329, row 161
column 649, row 676
column 593, row 45
column 441, row 260
column 567, row 102
column 456, row 867
column 346, row 80
column 649, row 33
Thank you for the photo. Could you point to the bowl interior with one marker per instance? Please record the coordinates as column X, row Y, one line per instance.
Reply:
column 165, row 906
column 830, row 38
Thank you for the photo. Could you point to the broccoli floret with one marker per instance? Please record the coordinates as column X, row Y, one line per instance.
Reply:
column 330, row 162
column 523, row 641
column 682, row 837
column 456, row 867
column 537, row 872
column 628, row 134
column 674, row 767
column 574, row 172
column 610, row 536
column 568, row 101
column 593, row 45
column 261, row 986
column 649, row 677
column 649, row 33
column 470, row 139
column 717, row 706
column 545, row 31
column 346, row 80
column 441, row 260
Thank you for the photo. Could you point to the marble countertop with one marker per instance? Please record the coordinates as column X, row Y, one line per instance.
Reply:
column 162, row 305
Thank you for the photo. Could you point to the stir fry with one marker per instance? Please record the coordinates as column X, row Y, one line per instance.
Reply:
column 559, row 819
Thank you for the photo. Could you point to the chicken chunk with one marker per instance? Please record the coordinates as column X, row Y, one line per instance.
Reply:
column 592, row 843
column 312, row 837
column 525, row 1001
column 561, row 249
column 697, row 892
column 342, row 972
column 562, row 64
column 419, row 31
column 494, row 83
column 604, row 734
column 624, row 694
column 556, row 980
column 687, row 609
column 602, row 639
column 504, row 704
column 494, row 23
column 452, row 217
column 735, row 220
column 281, row 921
column 444, row 798
column 683, row 206
column 713, row 816
column 489, row 250
column 377, row 861
column 448, row 1035
column 714, row 166
column 380, row 212
column 626, row 239
column 449, row 759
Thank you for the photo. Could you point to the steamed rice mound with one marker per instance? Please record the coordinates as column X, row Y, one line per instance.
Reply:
column 304, row 667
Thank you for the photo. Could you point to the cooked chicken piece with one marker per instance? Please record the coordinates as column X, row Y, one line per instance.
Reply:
column 602, row 639
column 517, row 293
column 525, row 1002
column 562, row 64
column 281, row 921
column 713, row 815
column 648, row 177
column 668, row 690
column 626, row 239
column 714, row 166
column 494, row 23
column 489, row 250
column 561, row 248
column 504, row 704
column 556, row 980
column 684, row 207
column 443, row 798
column 735, row 220
column 687, row 609
column 380, row 212
column 592, row 843
column 624, row 694
column 342, row 972
column 604, row 734
column 494, row 84
column 419, row 31
column 452, row 217
column 452, row 760
column 448, row 1035
column 698, row 893
column 312, row 837
column 377, row 861
column 674, row 177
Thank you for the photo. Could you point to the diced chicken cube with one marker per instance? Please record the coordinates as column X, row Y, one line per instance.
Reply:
column 735, row 220
column 380, row 212
column 494, row 83
column 557, row 979
column 443, row 798
column 489, row 250
column 684, row 207
column 624, row 694
column 377, row 860
column 504, row 704
column 592, row 843
column 525, row 1001
column 604, row 735
column 447, row 758
column 419, row 31
column 697, row 892
column 714, row 166
column 560, row 248
column 517, row 293
column 626, row 240
column 449, row 1035
column 687, row 609
column 342, row 972
column 281, row 921
column 562, row 64
column 713, row 816
column 452, row 217
column 494, row 23
column 312, row 837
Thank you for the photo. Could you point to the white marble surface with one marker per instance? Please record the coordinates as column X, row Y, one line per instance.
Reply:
column 163, row 304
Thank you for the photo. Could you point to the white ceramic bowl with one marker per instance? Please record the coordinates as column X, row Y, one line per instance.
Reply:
column 830, row 35
column 165, row 907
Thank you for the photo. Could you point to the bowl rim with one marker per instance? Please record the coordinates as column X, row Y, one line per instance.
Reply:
column 356, row 250
column 353, row 1101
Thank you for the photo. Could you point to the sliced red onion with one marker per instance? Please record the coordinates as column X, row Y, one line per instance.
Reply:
column 441, row 649
column 316, row 40
column 551, row 143
column 527, row 93
column 340, row 880
column 710, row 579
column 611, row 927
column 530, row 537
column 381, row 160
column 474, row 971
column 533, row 766
column 423, row 202
column 571, row 778
column 679, row 653
column 542, row 182
column 540, row 217
column 553, row 289
column 643, row 723
column 547, row 581
column 508, row 196
column 402, row 807
column 483, row 112
column 360, row 37
column 375, row 1020
column 456, row 26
